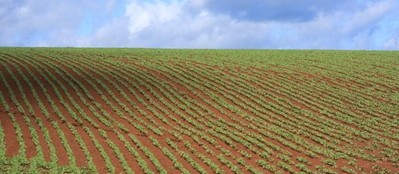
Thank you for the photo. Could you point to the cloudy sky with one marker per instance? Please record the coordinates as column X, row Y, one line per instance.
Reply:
column 272, row 24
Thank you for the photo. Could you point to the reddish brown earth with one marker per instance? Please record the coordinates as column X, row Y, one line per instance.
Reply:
column 95, row 154
column 266, row 108
column 10, row 138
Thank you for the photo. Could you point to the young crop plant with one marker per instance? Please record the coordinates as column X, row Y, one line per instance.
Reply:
column 330, row 162
column 186, row 156
column 110, row 167
column 140, row 160
column 91, row 165
column 267, row 166
column 2, row 140
column 18, row 131
column 65, row 143
column 149, row 154
column 176, row 163
column 303, row 168
column 198, row 111
column 117, row 151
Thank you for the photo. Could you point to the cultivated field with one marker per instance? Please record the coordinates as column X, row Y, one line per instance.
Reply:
column 65, row 110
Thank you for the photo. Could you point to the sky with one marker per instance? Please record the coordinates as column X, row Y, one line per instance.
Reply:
column 241, row 24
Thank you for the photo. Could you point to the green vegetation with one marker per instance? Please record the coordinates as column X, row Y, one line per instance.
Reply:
column 90, row 110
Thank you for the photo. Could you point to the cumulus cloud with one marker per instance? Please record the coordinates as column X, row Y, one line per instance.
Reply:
column 44, row 23
column 307, row 24
column 344, row 29
column 173, row 24
column 28, row 22
column 176, row 24
column 145, row 15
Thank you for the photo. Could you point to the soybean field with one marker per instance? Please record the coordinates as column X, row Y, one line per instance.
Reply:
column 120, row 110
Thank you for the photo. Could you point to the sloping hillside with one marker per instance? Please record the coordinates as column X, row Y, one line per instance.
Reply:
column 198, row 111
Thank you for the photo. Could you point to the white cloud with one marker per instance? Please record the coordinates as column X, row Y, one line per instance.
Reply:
column 144, row 15
column 31, row 22
column 342, row 29
column 191, row 24
column 370, row 15
column 162, row 24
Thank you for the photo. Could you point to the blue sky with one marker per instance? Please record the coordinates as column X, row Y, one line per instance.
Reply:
column 273, row 24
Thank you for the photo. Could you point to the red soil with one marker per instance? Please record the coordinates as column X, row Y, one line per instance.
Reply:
column 10, row 138
column 30, row 147
column 271, row 83
column 94, row 152
column 76, row 150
